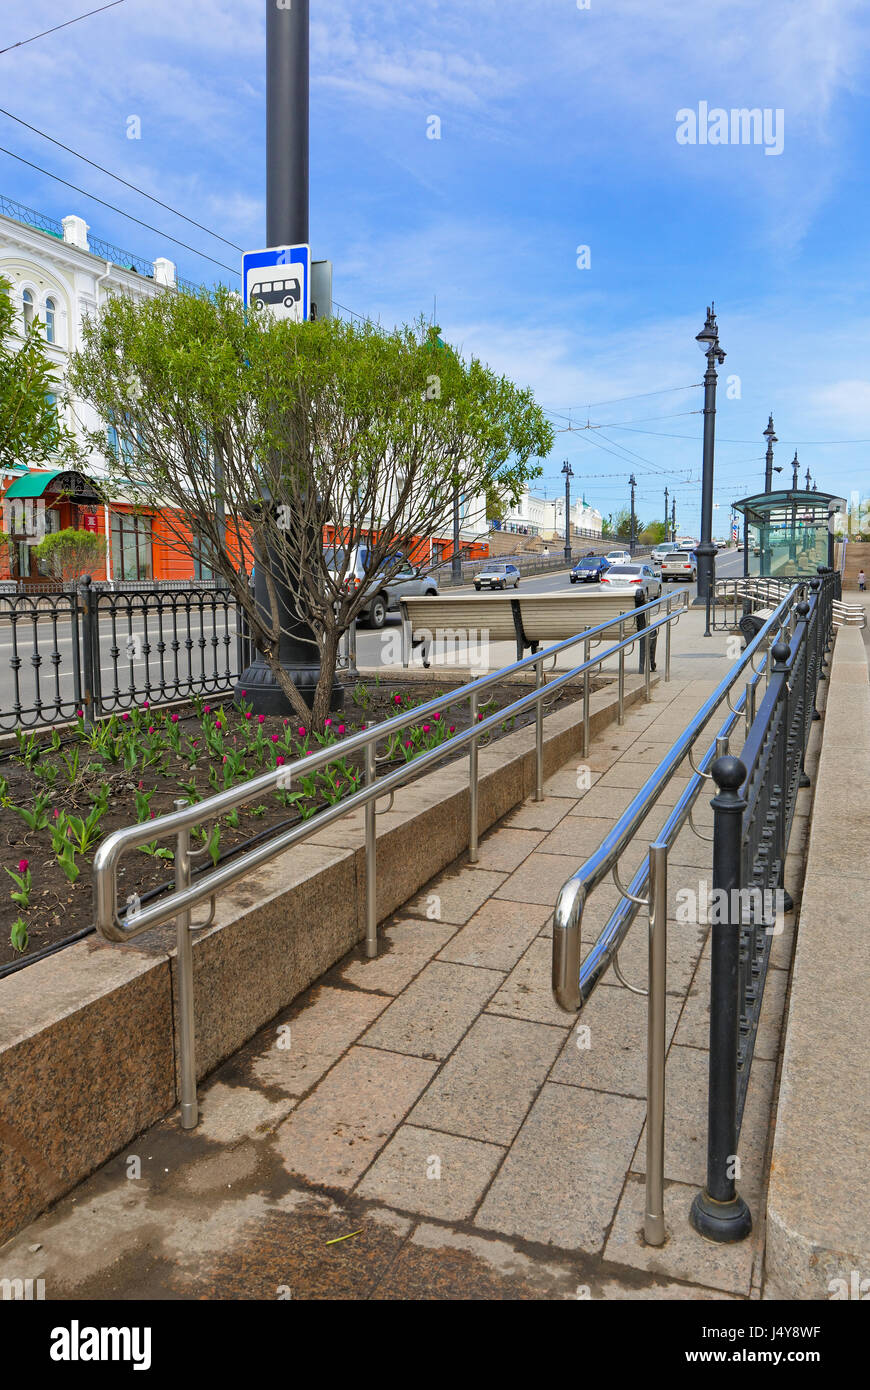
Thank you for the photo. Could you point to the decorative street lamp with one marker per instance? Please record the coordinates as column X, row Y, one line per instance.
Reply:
column 768, row 467
column 666, row 513
column 569, row 474
column 795, row 466
column 632, row 482
column 708, row 341
column 674, row 519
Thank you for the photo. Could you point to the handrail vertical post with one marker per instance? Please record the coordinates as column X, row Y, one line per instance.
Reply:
column 719, row 1213
column 186, row 1023
column 668, row 626
column 654, row 1215
column 586, row 691
column 539, row 733
column 371, row 859
column 621, row 710
column 472, row 788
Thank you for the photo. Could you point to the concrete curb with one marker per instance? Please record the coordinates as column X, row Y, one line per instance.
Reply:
column 818, row 1204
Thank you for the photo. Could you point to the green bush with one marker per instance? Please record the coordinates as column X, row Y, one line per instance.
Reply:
column 69, row 554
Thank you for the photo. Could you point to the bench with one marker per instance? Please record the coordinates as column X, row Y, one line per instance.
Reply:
column 527, row 619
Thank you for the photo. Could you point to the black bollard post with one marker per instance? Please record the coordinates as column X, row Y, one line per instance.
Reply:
column 719, row 1213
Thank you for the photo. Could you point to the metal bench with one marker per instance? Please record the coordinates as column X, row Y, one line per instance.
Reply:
column 527, row 619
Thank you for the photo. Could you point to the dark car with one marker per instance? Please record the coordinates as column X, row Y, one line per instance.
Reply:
column 590, row 570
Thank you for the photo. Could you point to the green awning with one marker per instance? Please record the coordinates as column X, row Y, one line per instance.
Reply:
column 32, row 484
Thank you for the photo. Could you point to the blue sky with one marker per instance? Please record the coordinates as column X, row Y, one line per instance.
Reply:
column 558, row 130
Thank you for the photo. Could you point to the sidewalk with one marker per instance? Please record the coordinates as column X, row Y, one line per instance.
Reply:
column 436, row 1109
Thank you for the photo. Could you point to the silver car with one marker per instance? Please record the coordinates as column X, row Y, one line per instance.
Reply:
column 638, row 576
column 497, row 577
column 405, row 582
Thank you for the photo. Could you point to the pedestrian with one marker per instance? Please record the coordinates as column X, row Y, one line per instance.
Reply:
column 862, row 581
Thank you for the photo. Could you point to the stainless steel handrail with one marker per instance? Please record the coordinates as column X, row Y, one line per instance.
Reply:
column 573, row 979
column 186, row 895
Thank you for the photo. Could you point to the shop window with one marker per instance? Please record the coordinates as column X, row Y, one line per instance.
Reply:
column 131, row 547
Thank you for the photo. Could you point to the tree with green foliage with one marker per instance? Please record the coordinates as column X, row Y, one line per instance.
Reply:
column 71, row 553
column 30, row 430
column 653, row 534
column 260, row 437
column 621, row 522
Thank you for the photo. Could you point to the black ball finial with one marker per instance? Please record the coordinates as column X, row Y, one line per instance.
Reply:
column 780, row 653
column 729, row 773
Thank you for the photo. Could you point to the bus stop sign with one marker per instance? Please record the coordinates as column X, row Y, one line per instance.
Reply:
column 279, row 278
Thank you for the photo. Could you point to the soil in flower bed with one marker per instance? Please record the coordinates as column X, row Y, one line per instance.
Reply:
column 62, row 792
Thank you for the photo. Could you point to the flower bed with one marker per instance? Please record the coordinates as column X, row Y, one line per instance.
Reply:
column 61, row 794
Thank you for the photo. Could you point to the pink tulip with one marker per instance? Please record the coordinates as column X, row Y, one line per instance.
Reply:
column 342, row 729
column 141, row 786
column 244, row 692
column 79, row 712
column 409, row 744
column 425, row 728
column 436, row 717
column 218, row 724
column 275, row 738
column 151, row 728
column 397, row 699
column 175, row 718
column 327, row 722
column 261, row 718
column 452, row 729
column 207, row 709
column 300, row 731
column 23, row 865
column 125, row 716
column 248, row 715
column 279, row 760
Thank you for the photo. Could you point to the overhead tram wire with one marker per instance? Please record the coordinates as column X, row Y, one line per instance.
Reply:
column 65, row 25
column 165, row 235
column 118, row 179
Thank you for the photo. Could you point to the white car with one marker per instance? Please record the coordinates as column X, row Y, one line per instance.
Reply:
column 637, row 576
column 680, row 564
column 619, row 557
column 666, row 548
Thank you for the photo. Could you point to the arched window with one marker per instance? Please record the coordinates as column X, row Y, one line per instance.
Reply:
column 50, row 311
column 27, row 307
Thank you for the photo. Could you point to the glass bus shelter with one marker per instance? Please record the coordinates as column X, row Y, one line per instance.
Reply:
column 790, row 534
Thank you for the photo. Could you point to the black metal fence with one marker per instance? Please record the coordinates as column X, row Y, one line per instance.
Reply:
column 103, row 649
column 734, row 599
column 753, row 814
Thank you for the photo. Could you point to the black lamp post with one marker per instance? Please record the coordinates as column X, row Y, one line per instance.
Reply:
column 632, row 482
column 708, row 341
column 795, row 465
column 674, row 519
column 569, row 474
column 456, row 557
column 768, row 467
column 287, row 118
column 666, row 513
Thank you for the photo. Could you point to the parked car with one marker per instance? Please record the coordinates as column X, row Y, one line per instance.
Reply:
column 619, row 557
column 666, row 548
column 396, row 579
column 590, row 569
column 636, row 575
column 497, row 577
column 680, row 564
